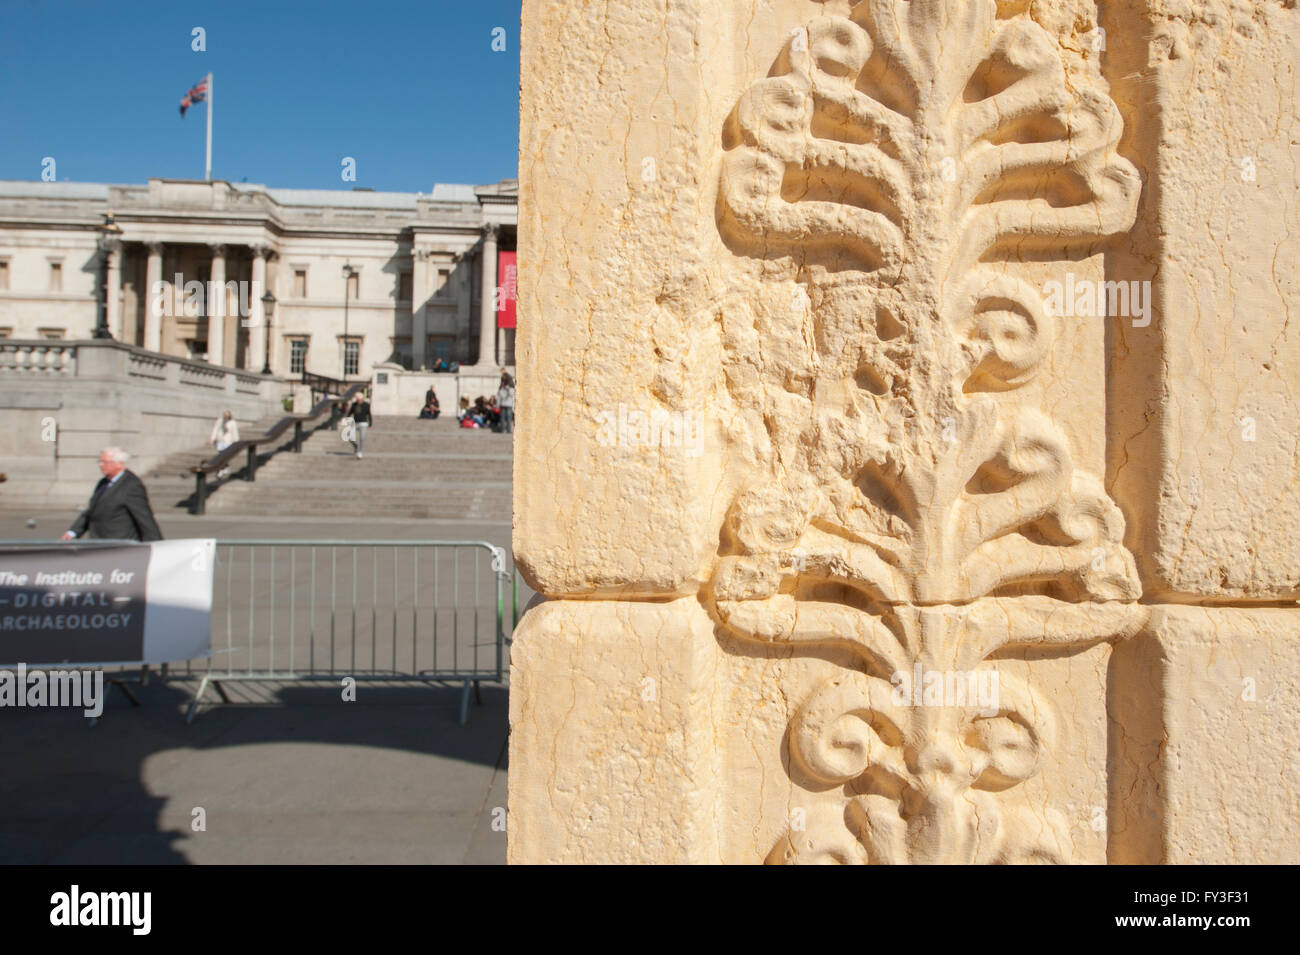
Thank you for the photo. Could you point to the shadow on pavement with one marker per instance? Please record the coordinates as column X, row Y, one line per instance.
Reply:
column 283, row 773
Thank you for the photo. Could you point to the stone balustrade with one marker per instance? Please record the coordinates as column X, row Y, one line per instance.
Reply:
column 96, row 359
column 63, row 401
column 37, row 358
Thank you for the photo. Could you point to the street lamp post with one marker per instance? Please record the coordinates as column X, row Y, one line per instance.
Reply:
column 268, row 307
column 348, row 272
column 109, row 232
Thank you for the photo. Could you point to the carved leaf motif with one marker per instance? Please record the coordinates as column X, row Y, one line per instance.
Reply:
column 1004, row 329
column 864, row 149
column 889, row 162
column 969, row 155
column 917, row 780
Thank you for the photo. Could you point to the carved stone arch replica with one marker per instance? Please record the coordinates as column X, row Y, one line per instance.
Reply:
column 906, row 446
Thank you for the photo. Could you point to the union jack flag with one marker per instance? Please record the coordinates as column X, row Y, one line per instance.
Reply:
column 197, row 94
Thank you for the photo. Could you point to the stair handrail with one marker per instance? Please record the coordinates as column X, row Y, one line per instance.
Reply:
column 249, row 445
column 323, row 384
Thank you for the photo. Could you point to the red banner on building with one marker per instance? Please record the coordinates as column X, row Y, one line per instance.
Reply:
column 507, row 289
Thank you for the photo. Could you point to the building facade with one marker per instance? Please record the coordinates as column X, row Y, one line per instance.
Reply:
column 358, row 277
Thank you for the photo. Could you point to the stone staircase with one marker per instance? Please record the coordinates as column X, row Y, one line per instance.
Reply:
column 411, row 468
column 170, row 483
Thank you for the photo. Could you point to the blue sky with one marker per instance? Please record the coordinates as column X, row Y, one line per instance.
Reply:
column 413, row 91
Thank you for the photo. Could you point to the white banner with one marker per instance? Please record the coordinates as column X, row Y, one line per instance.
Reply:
column 85, row 603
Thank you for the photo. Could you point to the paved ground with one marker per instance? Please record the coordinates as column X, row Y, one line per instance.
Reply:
column 285, row 773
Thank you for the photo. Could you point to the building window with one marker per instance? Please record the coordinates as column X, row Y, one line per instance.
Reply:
column 53, row 334
column 56, row 276
column 404, row 287
column 297, row 356
column 196, row 348
column 441, row 346
column 299, row 283
column 7, row 332
column 4, row 273
column 444, row 281
column 351, row 357
column 402, row 352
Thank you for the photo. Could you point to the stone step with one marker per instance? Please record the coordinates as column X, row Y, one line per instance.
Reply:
column 312, row 485
column 481, row 504
column 468, row 441
column 492, row 502
column 330, row 445
column 375, row 469
column 312, row 498
column 179, row 462
column 411, row 468
column 338, row 456
column 402, row 422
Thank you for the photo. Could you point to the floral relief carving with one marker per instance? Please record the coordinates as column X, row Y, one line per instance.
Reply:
column 916, row 507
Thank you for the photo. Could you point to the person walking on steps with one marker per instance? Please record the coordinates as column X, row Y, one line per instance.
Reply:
column 360, row 415
column 224, row 433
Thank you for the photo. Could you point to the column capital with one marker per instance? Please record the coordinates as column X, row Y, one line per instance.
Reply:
column 261, row 250
column 154, row 248
column 218, row 249
column 490, row 230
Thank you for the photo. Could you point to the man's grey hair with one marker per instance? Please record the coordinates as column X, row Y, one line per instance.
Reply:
column 117, row 454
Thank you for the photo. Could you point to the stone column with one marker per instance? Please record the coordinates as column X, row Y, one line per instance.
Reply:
column 878, row 512
column 1204, row 456
column 154, row 300
column 113, row 291
column 255, row 355
column 487, row 305
column 419, row 295
column 215, row 306
column 463, row 292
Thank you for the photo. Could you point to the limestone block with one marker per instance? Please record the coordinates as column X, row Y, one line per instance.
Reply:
column 612, row 752
column 1205, row 448
column 824, row 763
column 636, row 736
column 1204, row 708
column 615, row 151
column 658, row 267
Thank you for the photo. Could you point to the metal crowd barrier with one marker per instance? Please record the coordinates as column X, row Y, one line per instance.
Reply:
column 370, row 610
column 431, row 612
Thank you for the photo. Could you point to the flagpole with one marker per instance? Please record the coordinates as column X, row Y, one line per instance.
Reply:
column 207, row 163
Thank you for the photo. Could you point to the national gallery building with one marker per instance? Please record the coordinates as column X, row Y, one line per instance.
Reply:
column 354, row 278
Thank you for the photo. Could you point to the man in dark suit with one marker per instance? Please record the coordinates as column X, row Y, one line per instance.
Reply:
column 119, row 507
